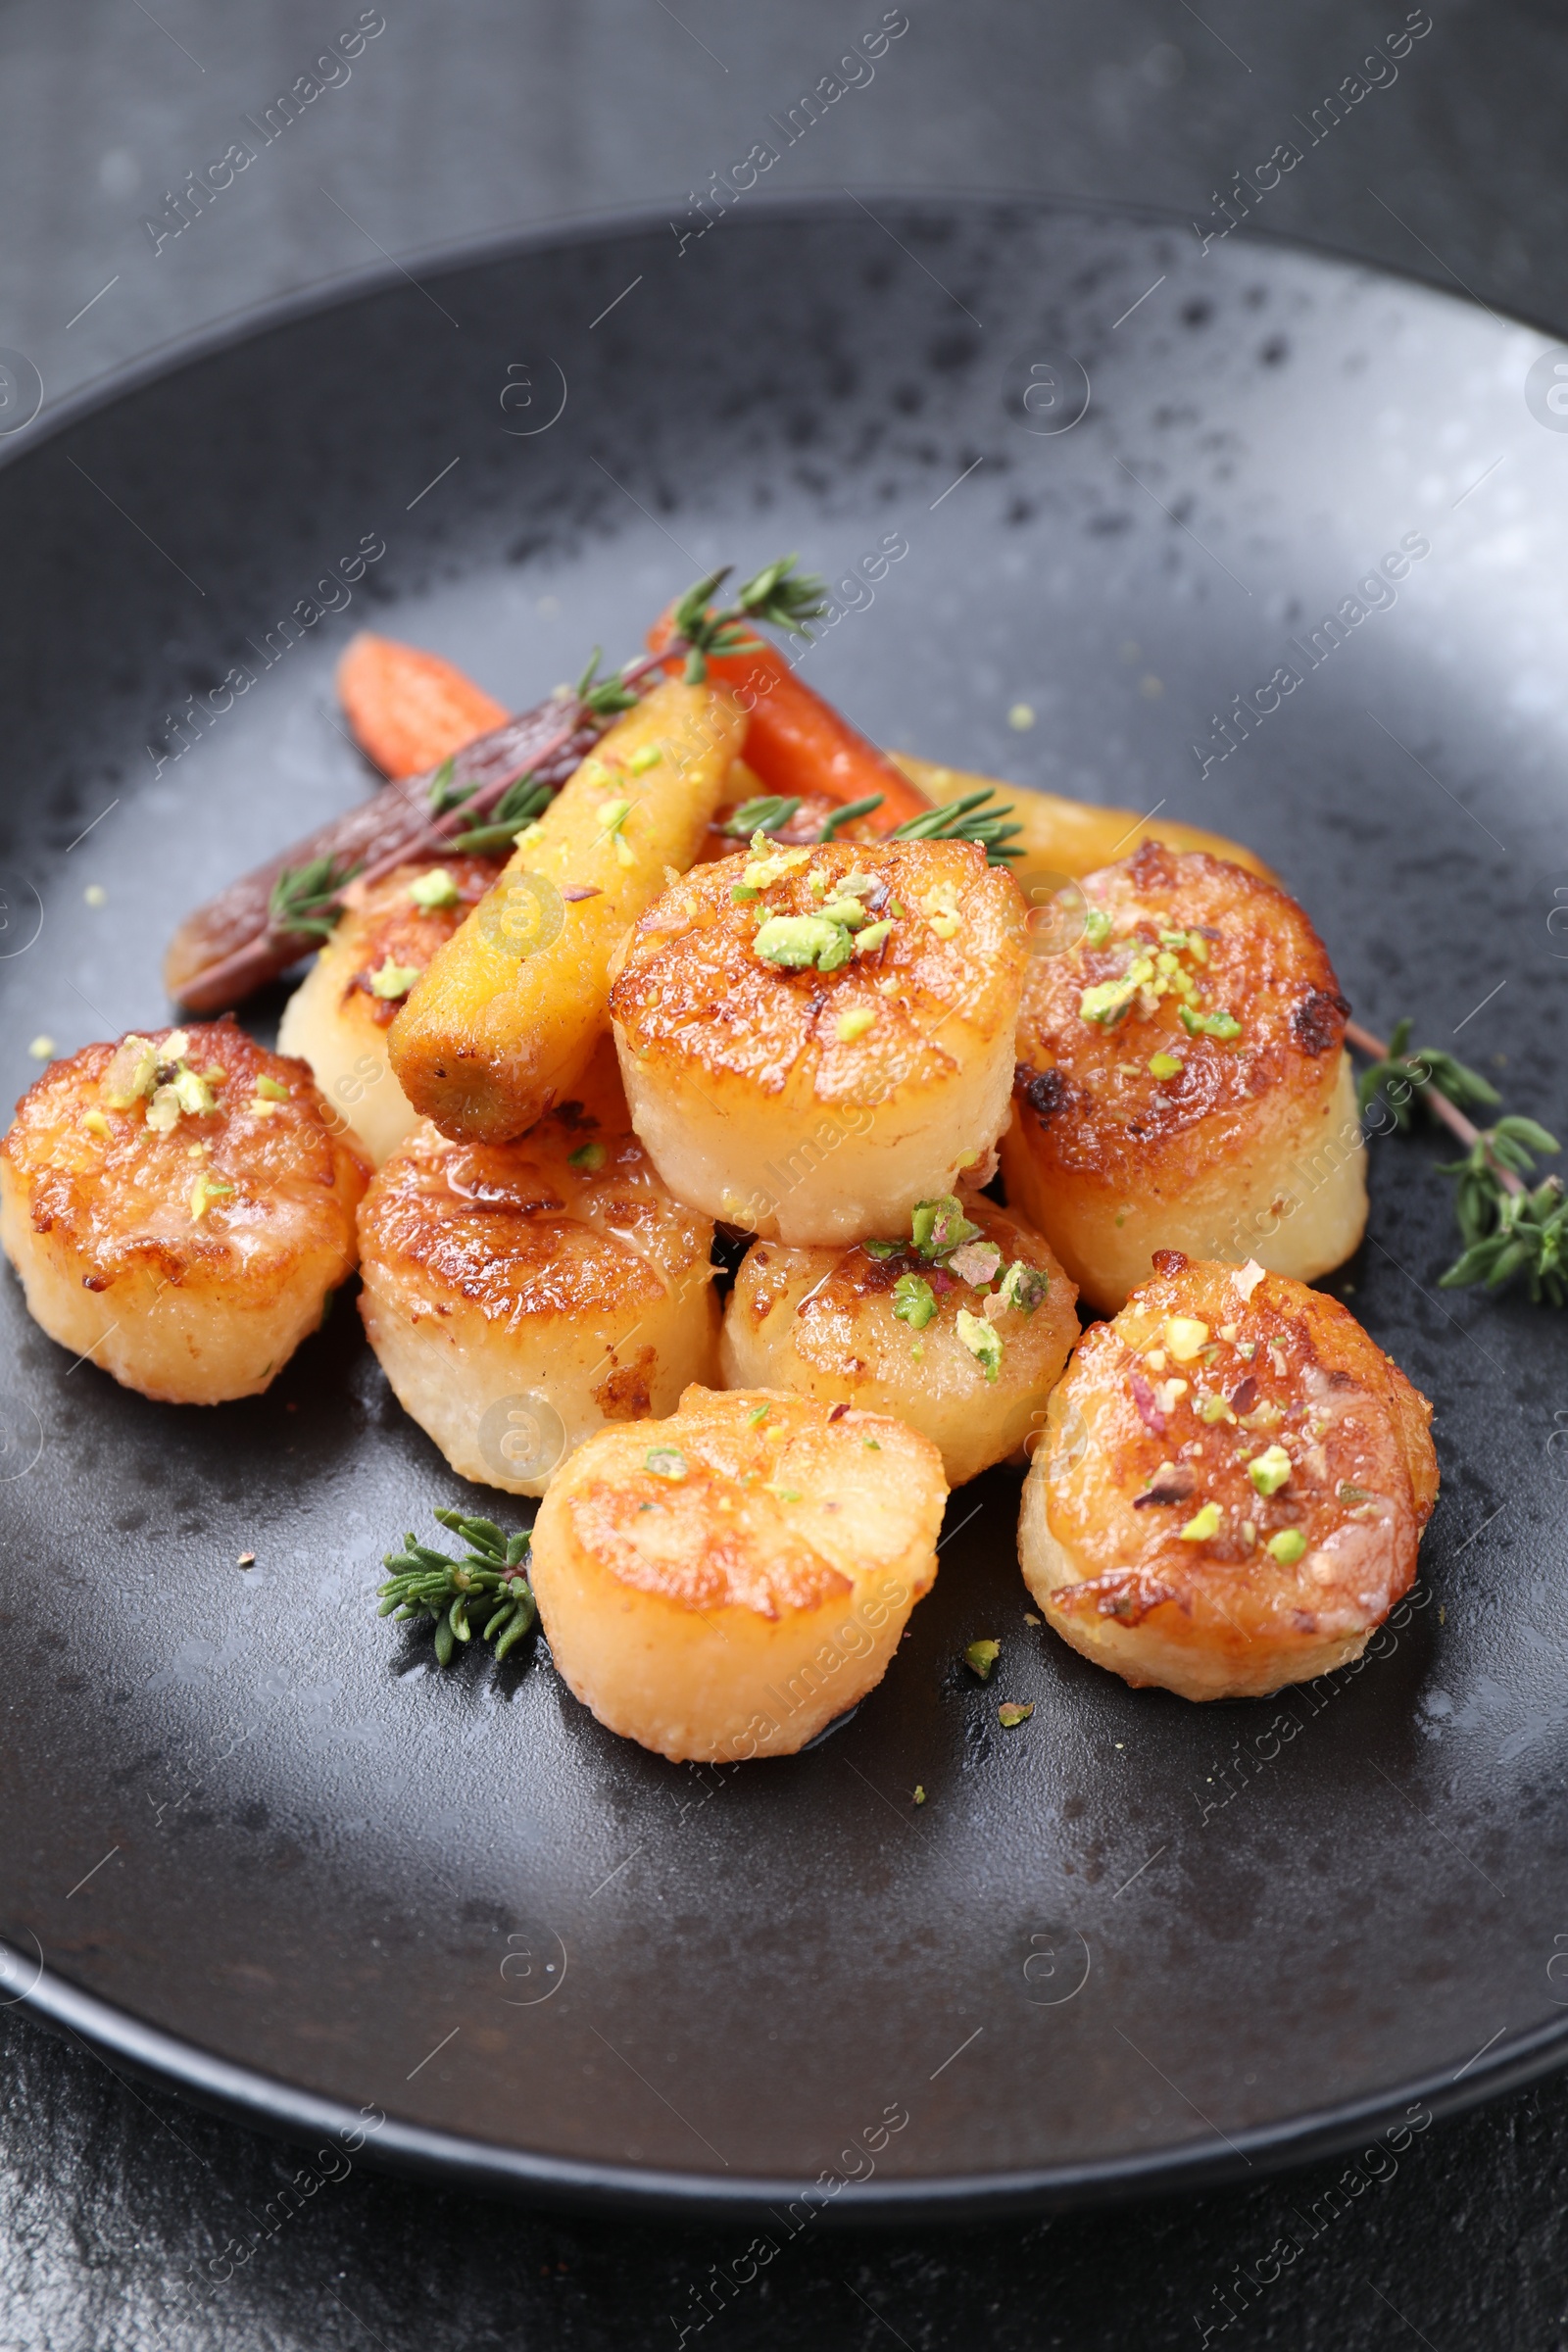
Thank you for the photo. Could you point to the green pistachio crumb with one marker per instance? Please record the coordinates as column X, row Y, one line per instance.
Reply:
column 434, row 890
column 913, row 1300
column 665, row 1461
column 983, row 1341
column 981, row 1657
column 393, row 980
column 1201, row 1525
column 1271, row 1470
column 1010, row 1714
column 1287, row 1546
column 588, row 1157
column 1222, row 1025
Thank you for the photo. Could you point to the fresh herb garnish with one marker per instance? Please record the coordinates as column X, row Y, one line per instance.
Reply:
column 304, row 901
column 769, row 814
column 963, row 820
column 778, row 596
column 523, row 800
column 486, row 1592
column 1508, row 1226
column 607, row 697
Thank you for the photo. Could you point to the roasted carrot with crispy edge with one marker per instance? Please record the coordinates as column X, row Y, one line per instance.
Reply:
column 797, row 743
column 409, row 709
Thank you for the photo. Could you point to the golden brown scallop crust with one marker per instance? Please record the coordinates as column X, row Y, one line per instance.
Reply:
column 778, row 1504
column 1102, row 1114
column 722, row 1584
column 1182, row 1082
column 388, row 926
column 691, row 991
column 1210, row 1369
column 520, row 1234
column 822, row 1322
column 117, row 1194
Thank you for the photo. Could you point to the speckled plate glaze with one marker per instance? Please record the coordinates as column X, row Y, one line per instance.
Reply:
column 250, row 1837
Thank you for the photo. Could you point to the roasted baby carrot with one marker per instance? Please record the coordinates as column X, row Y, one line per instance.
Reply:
column 798, row 744
column 409, row 709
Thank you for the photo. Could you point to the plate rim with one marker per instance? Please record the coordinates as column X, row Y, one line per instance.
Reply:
column 264, row 2102
column 450, row 256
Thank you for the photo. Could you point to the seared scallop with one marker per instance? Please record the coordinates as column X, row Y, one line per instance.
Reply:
column 962, row 1333
column 1183, row 1082
column 339, row 1015
column 812, row 1039
column 178, row 1209
column 519, row 1296
column 1232, row 1486
column 723, row 1583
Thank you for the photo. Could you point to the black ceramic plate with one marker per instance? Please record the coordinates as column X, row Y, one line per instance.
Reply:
column 250, row 1837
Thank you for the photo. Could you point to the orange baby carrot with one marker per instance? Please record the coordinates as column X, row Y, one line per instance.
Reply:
column 798, row 743
column 409, row 709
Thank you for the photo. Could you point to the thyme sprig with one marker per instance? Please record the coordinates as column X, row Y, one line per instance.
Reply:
column 1509, row 1224
column 518, row 805
column 778, row 596
column 964, row 819
column 486, row 1592
column 608, row 698
column 304, row 903
column 769, row 812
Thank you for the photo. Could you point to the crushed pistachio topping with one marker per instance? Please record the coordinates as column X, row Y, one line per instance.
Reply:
column 1270, row 1470
column 1223, row 1025
column 1185, row 1336
column 1107, row 1001
column 1151, row 974
column 612, row 814
column 646, row 756
column 1098, row 926
column 871, row 938
column 939, row 907
column 271, row 1090
column 981, row 1657
column 161, row 1074
column 1349, row 1494
column 588, row 1157
column 919, row 1793
column 393, row 980
column 204, row 1192
column 975, row 1263
column 1201, row 1525
column 1287, row 1546
column 871, row 1445
column 1214, row 1408
column 95, row 1122
column 796, row 941
column 983, row 1341
column 915, row 1302
column 939, row 1226
column 1167, row 1392
column 770, row 865
column 1023, row 1287
column 433, row 890
column 1010, row 1713
column 1166, row 1066
column 854, row 1023
column 665, row 1461
column 755, row 1419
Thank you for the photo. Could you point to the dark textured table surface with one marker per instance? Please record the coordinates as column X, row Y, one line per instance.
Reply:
column 483, row 115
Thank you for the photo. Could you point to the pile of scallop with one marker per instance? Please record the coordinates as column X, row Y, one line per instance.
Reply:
column 544, row 1104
